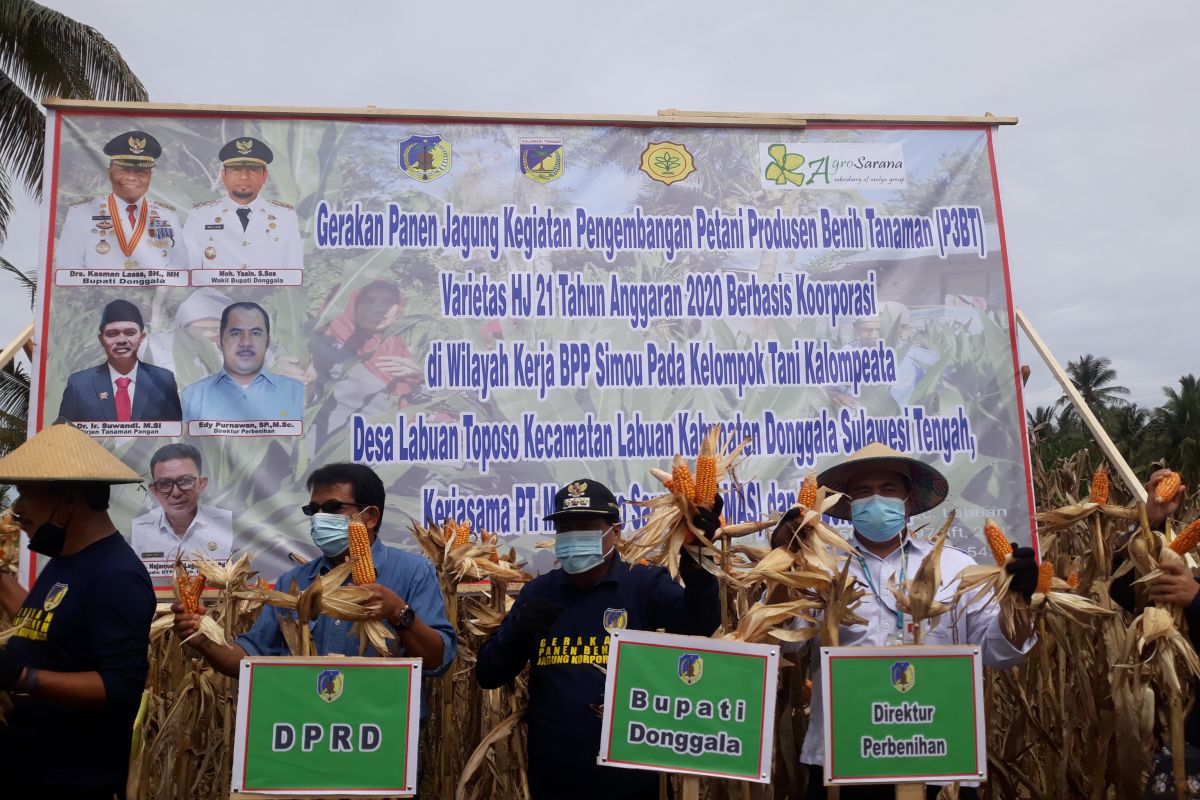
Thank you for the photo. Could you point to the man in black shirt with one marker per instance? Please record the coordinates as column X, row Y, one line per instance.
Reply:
column 559, row 624
column 78, row 660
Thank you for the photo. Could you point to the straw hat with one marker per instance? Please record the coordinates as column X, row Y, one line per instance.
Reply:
column 64, row 453
column 929, row 487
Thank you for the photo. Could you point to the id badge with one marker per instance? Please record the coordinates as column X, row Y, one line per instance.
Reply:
column 906, row 629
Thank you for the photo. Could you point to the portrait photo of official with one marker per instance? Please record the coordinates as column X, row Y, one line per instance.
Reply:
column 244, row 389
column 181, row 524
column 123, row 388
column 124, row 229
column 242, row 229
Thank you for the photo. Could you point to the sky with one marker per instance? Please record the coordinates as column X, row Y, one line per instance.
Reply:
column 1095, row 180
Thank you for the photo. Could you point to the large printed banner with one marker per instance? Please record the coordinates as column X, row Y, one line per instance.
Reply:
column 484, row 311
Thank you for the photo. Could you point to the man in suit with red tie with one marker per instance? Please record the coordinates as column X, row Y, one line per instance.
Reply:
column 123, row 388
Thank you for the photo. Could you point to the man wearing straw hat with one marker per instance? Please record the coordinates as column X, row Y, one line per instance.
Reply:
column 78, row 660
column 883, row 488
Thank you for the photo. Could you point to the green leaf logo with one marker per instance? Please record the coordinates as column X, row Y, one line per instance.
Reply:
column 784, row 165
column 667, row 162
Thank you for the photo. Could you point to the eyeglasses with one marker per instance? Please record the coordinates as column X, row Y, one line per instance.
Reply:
column 328, row 507
column 167, row 485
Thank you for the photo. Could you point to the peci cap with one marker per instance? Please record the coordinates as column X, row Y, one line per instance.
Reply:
column 246, row 150
column 929, row 487
column 133, row 148
column 62, row 452
column 121, row 311
column 585, row 497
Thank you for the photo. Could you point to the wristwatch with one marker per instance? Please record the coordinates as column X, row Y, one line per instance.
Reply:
column 405, row 619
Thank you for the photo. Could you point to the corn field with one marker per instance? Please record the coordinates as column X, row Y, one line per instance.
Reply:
column 1082, row 717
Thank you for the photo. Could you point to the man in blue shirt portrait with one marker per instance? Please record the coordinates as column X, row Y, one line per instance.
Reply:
column 243, row 390
column 559, row 625
column 406, row 594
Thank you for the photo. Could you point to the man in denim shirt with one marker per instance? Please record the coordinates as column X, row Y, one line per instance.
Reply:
column 406, row 594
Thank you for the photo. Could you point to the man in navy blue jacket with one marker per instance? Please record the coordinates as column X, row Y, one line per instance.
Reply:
column 559, row 625
column 122, row 389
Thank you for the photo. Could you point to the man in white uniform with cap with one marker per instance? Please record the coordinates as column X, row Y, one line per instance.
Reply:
column 125, row 229
column 244, row 230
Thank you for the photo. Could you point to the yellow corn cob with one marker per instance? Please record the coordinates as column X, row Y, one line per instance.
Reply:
column 681, row 477
column 705, row 490
column 1185, row 541
column 996, row 540
column 1167, row 487
column 807, row 496
column 1100, row 485
column 360, row 551
column 450, row 530
column 1045, row 576
column 464, row 533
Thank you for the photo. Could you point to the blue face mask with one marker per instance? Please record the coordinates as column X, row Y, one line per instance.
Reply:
column 878, row 518
column 579, row 551
column 331, row 533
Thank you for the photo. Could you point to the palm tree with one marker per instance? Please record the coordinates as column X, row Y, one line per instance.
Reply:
column 1040, row 423
column 1126, row 424
column 44, row 53
column 1176, row 425
column 1094, row 377
column 14, row 381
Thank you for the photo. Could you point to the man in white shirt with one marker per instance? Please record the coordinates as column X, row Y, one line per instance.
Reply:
column 123, row 388
column 125, row 229
column 180, row 525
column 883, row 488
column 244, row 230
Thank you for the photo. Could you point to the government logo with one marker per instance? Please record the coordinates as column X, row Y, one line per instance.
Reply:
column 541, row 160
column 55, row 596
column 330, row 683
column 904, row 675
column 667, row 162
column 425, row 158
column 691, row 668
column 615, row 618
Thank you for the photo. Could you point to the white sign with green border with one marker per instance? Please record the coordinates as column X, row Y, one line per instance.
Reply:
column 903, row 714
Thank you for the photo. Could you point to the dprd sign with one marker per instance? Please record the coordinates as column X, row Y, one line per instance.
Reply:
column 327, row 726
column 689, row 704
column 903, row 714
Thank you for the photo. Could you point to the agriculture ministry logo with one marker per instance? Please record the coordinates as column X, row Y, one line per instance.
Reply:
column 691, row 668
column 836, row 165
column 904, row 675
column 425, row 158
column 667, row 162
column 541, row 160
column 330, row 683
column 55, row 596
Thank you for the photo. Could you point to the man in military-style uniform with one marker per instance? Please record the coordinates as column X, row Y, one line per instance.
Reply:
column 243, row 230
column 124, row 229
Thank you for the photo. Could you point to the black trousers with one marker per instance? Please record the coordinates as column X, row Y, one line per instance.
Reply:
column 886, row 791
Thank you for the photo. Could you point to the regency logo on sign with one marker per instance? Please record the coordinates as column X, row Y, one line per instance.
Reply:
column 541, row 159
column 691, row 668
column 806, row 165
column 425, row 158
column 904, row 676
column 330, row 684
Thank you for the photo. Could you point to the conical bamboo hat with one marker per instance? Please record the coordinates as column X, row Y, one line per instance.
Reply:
column 64, row 453
column 929, row 487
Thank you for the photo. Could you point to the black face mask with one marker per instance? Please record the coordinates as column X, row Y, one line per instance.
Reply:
column 50, row 537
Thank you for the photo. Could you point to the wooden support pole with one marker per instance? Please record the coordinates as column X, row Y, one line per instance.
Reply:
column 20, row 343
column 1124, row 471
column 910, row 791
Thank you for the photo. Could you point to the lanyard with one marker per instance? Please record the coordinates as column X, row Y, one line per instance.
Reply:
column 862, row 562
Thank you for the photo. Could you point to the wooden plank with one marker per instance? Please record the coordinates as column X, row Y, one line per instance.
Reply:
column 256, row 796
column 987, row 119
column 910, row 791
column 19, row 343
column 664, row 118
column 1089, row 419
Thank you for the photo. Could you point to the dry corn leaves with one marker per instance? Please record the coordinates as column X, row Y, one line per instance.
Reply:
column 916, row 595
column 669, row 526
column 763, row 623
column 458, row 558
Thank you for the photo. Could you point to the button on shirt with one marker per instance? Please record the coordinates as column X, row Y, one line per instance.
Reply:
column 267, row 397
column 271, row 239
column 977, row 624
column 410, row 576
column 156, row 543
